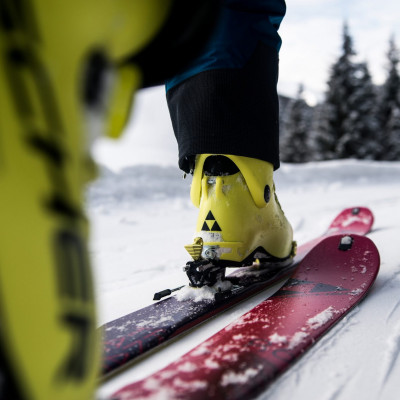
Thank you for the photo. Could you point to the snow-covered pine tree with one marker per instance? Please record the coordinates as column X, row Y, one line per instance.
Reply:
column 322, row 141
column 336, row 106
column 346, row 118
column 392, row 148
column 389, row 108
column 315, row 113
column 285, row 104
column 360, row 124
column 294, row 145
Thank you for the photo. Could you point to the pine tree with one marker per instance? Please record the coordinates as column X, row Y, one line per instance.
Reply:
column 347, row 121
column 294, row 146
column 392, row 148
column 389, row 107
column 340, row 89
column 360, row 124
column 324, row 146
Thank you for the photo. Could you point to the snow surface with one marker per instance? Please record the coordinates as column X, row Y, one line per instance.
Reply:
column 204, row 293
column 141, row 217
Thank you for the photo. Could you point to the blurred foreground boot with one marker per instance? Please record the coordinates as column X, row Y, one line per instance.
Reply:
column 240, row 218
column 68, row 73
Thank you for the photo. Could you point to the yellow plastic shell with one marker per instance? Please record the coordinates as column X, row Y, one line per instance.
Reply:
column 48, row 333
column 245, row 220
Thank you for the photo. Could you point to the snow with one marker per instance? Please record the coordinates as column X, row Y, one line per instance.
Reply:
column 275, row 338
column 322, row 318
column 233, row 377
column 297, row 339
column 141, row 217
column 204, row 293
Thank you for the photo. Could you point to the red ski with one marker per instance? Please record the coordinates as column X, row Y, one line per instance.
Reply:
column 241, row 360
column 132, row 335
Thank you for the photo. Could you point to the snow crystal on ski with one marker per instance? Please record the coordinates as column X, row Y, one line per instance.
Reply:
column 322, row 318
column 232, row 377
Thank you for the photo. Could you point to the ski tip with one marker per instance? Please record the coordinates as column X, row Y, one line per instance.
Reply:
column 362, row 248
column 358, row 220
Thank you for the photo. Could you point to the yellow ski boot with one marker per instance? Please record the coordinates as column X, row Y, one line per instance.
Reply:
column 240, row 218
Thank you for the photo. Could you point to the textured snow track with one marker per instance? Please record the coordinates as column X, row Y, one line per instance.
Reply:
column 137, row 244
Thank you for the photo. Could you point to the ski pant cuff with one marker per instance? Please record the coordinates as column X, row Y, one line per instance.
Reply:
column 229, row 111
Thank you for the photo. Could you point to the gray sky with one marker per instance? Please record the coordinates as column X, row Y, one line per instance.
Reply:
column 312, row 37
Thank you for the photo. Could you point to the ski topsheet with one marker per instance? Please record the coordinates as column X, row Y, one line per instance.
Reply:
column 242, row 359
column 130, row 336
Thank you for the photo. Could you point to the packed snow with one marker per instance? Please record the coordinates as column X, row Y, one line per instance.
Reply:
column 204, row 293
column 141, row 217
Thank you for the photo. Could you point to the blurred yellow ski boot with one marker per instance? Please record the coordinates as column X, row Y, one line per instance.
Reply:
column 240, row 218
column 55, row 64
column 68, row 73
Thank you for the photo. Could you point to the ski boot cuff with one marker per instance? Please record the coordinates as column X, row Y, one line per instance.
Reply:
column 257, row 174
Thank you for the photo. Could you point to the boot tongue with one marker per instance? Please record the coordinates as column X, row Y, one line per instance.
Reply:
column 219, row 166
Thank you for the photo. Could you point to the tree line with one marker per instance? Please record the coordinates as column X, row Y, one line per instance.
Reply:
column 356, row 119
